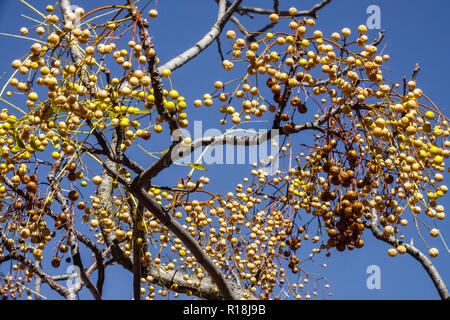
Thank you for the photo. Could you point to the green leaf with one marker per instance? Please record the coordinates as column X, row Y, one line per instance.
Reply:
column 19, row 141
column 197, row 166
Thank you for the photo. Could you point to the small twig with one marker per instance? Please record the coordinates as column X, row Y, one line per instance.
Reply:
column 276, row 3
column 236, row 21
column 416, row 70
column 379, row 38
column 219, row 48
column 308, row 13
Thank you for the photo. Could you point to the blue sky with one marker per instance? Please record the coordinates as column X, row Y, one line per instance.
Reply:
column 417, row 32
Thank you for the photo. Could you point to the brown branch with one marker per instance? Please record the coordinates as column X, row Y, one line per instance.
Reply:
column 64, row 202
column 238, row 24
column 379, row 38
column 219, row 48
column 64, row 292
column 286, row 94
column 89, row 244
column 137, row 217
column 156, row 81
column 37, row 285
column 303, row 13
column 276, row 8
column 79, row 285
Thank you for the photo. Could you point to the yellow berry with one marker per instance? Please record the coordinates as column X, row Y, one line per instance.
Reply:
column 166, row 73
column 97, row 180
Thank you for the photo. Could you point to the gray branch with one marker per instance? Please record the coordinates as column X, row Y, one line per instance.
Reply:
column 203, row 43
column 413, row 252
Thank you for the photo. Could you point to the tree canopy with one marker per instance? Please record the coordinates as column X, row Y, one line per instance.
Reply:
column 91, row 101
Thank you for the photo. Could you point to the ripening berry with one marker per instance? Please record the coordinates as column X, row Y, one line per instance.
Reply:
column 55, row 155
column 346, row 32
column 335, row 36
column 25, row 233
column 438, row 160
column 173, row 94
column 153, row 13
column 231, row 34
column 292, row 11
column 274, row 18
column 33, row 96
column 158, row 128
column 433, row 252
column 40, row 30
column 166, row 73
column 227, row 65
column 170, row 105
column 310, row 22
column 429, row 115
column 16, row 64
column 401, row 249
column 392, row 252
column 434, row 232
column 362, row 29
column 218, row 85
column 95, row 223
column 97, row 180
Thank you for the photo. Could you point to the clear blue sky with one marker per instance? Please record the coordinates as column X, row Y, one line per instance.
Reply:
column 417, row 32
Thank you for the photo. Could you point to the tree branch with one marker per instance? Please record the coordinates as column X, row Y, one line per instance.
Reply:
column 64, row 202
column 413, row 252
column 207, row 39
column 308, row 13
column 197, row 251
column 64, row 292
column 157, row 86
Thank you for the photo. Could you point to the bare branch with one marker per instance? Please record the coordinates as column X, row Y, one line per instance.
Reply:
column 253, row 35
column 137, row 217
column 415, row 72
column 308, row 13
column 379, row 38
column 79, row 285
column 175, row 279
column 219, row 48
column 64, row 292
column 276, row 8
column 236, row 21
column 37, row 285
column 207, row 39
column 413, row 252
